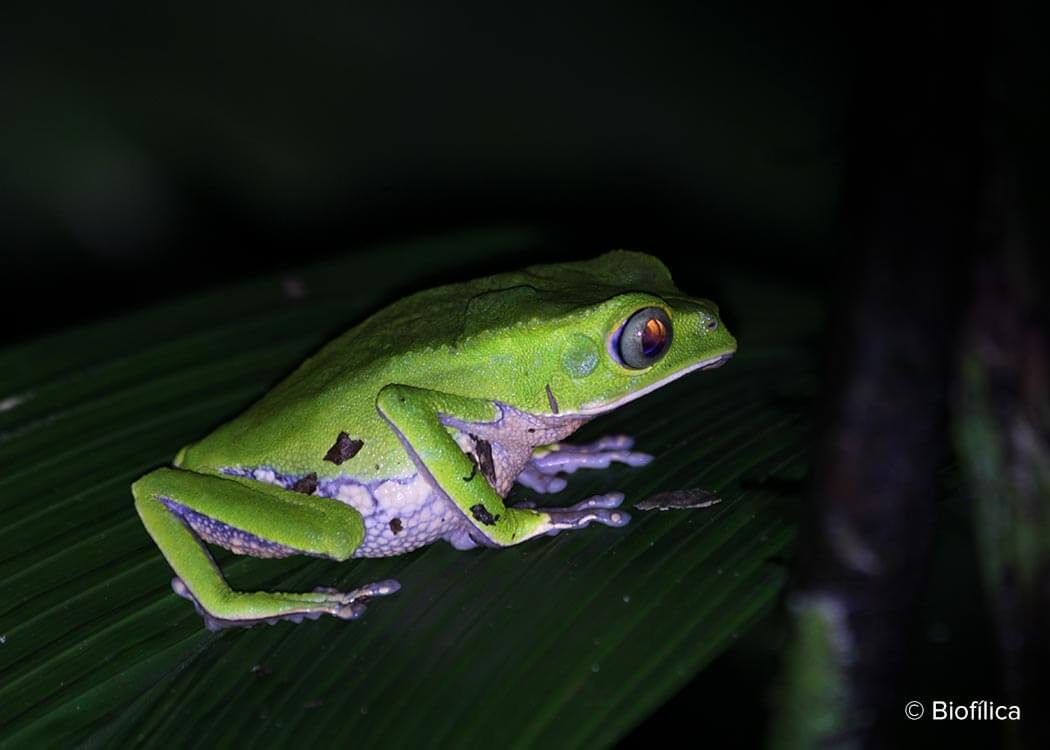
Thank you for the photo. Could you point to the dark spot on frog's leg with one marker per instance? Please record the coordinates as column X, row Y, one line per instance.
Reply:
column 395, row 525
column 344, row 448
column 306, row 485
column 551, row 400
column 484, row 459
column 482, row 515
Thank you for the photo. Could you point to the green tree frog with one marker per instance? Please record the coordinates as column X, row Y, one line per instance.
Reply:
column 414, row 425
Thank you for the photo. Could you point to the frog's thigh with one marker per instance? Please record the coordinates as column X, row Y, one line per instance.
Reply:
column 414, row 414
column 228, row 501
column 305, row 524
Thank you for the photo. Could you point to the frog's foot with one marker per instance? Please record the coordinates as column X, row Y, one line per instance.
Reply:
column 323, row 600
column 541, row 473
column 602, row 509
column 351, row 605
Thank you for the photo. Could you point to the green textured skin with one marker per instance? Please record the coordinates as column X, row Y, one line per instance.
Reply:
column 501, row 338
column 457, row 352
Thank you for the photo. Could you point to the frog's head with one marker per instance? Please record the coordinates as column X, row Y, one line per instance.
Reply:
column 635, row 342
column 605, row 332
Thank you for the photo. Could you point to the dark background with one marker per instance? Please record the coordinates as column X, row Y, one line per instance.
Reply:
column 149, row 150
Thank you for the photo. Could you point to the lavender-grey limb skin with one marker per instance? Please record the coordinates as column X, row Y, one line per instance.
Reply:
column 603, row 506
column 541, row 472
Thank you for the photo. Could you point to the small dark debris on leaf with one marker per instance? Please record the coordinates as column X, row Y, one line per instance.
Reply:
column 679, row 500
column 396, row 525
column 344, row 448
column 482, row 515
column 260, row 670
column 306, row 485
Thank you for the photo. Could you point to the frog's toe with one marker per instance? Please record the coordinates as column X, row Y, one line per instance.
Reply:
column 608, row 500
column 562, row 458
column 569, row 459
column 351, row 605
column 379, row 588
column 537, row 481
column 350, row 611
column 603, row 509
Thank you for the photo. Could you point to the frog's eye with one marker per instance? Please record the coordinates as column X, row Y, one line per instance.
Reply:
column 644, row 338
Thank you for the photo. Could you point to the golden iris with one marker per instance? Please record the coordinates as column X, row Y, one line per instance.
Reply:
column 654, row 336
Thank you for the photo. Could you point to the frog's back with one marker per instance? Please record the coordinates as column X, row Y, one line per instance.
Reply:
column 414, row 342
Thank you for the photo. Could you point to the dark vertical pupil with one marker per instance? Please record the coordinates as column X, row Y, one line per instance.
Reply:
column 653, row 337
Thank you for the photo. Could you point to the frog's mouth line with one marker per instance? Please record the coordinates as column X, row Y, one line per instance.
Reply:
column 711, row 363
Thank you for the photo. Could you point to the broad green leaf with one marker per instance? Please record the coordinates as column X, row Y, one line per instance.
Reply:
column 568, row 640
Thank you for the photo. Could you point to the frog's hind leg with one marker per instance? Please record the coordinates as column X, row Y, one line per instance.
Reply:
column 180, row 509
column 541, row 474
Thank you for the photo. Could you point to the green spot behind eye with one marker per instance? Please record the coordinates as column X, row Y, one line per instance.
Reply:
column 580, row 356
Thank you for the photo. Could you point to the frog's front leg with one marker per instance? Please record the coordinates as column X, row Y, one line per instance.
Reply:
column 541, row 474
column 180, row 507
column 415, row 415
